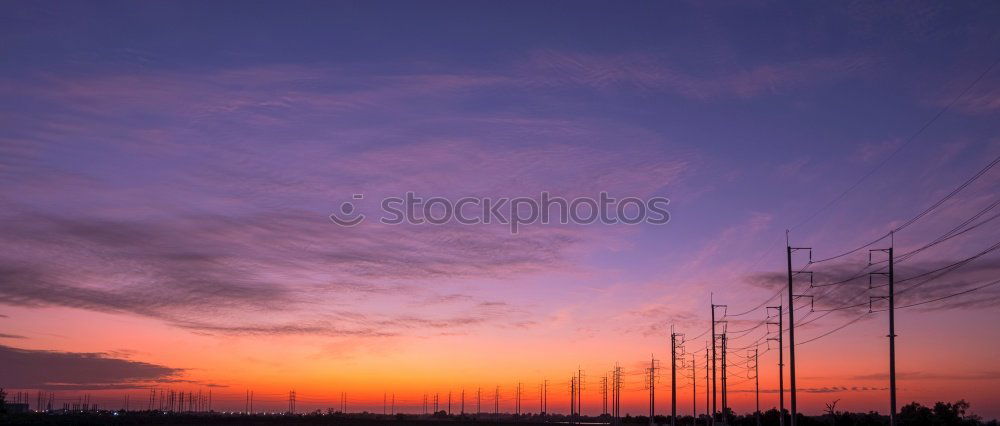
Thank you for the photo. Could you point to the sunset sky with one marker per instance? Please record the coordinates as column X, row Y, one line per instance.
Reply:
column 168, row 170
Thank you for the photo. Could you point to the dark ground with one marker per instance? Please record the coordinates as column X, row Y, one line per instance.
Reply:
column 942, row 414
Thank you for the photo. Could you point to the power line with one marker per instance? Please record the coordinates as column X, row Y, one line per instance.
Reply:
column 900, row 148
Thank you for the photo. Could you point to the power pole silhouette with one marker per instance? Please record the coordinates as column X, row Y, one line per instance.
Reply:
column 673, row 378
column 725, row 367
column 545, row 397
column 392, row 410
column 517, row 404
column 572, row 396
column 676, row 340
column 791, row 325
column 384, row 401
column 479, row 400
column 714, row 356
column 708, row 419
column 579, row 392
column 462, row 410
column 651, row 380
column 496, row 403
column 604, row 395
column 694, row 391
column 449, row 403
column 617, row 390
column 541, row 400
column 892, row 323
column 781, row 359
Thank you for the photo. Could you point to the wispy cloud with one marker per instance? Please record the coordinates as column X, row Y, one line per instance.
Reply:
column 52, row 370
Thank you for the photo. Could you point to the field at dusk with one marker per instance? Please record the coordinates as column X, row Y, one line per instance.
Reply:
column 466, row 212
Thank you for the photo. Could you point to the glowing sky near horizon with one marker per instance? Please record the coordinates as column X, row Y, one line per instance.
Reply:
column 168, row 170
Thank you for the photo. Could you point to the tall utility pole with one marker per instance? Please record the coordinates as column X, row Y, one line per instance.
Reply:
column 572, row 396
column 781, row 361
column 714, row 337
column 517, row 405
column 892, row 341
column 756, row 385
column 545, row 396
column 462, row 409
column 651, row 372
column 604, row 394
column 579, row 391
column 614, row 382
column 713, row 359
column 725, row 388
column 496, row 403
column 616, row 391
column 479, row 400
column 892, row 324
column 708, row 421
column 791, row 326
column 694, row 391
column 673, row 377
column 541, row 400
column 449, row 403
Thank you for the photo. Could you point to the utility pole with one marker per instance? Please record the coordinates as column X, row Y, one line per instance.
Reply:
column 604, row 394
column 791, row 326
column 618, row 393
column 694, row 391
column 616, row 388
column 725, row 367
column 752, row 356
column 462, row 410
column 579, row 391
column 714, row 357
column 496, row 403
column 479, row 400
column 572, row 397
column 517, row 403
column 673, row 377
column 541, row 400
column 449, row 403
column 651, row 372
column 892, row 322
column 708, row 420
column 781, row 361
column 545, row 399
